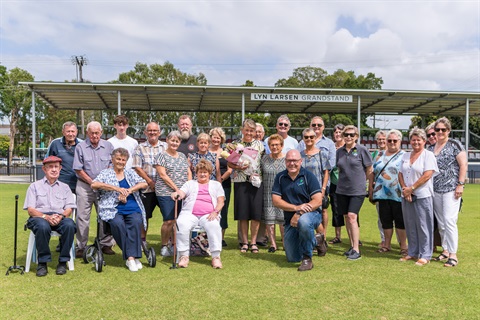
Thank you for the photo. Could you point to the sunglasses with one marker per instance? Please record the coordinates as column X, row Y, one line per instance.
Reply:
column 349, row 135
column 392, row 140
column 431, row 135
column 441, row 129
column 283, row 124
column 308, row 137
column 316, row 125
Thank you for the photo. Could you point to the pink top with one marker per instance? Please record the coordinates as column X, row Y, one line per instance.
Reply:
column 203, row 205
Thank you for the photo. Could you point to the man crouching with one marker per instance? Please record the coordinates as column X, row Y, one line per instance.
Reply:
column 298, row 193
column 49, row 202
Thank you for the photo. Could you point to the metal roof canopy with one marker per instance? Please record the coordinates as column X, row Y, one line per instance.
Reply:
column 185, row 98
column 145, row 97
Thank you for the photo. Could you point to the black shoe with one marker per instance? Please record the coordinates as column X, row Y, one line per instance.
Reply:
column 348, row 252
column 321, row 247
column 354, row 255
column 42, row 270
column 306, row 265
column 224, row 243
column 61, row 268
column 261, row 244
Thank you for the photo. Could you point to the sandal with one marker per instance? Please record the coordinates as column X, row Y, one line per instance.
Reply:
column 383, row 250
column 421, row 262
column 272, row 249
column 254, row 248
column 404, row 252
column 335, row 240
column 244, row 248
column 451, row 262
column 406, row 258
column 441, row 257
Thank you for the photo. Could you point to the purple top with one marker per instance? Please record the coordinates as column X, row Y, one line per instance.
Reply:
column 49, row 198
column 92, row 160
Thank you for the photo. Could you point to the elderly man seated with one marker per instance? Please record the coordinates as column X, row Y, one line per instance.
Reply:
column 49, row 202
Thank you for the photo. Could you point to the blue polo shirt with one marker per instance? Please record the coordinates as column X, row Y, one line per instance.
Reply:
column 59, row 148
column 296, row 191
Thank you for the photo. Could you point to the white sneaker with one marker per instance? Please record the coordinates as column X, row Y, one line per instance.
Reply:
column 139, row 264
column 166, row 251
column 131, row 265
column 184, row 260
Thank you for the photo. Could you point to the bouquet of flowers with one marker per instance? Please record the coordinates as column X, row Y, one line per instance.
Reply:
column 243, row 156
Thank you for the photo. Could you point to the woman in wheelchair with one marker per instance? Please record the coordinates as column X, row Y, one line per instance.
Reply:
column 121, row 206
column 203, row 201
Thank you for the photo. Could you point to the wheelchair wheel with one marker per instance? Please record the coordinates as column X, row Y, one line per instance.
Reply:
column 151, row 258
column 99, row 263
column 89, row 254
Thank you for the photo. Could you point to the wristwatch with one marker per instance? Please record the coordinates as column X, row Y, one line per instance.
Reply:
column 460, row 183
column 44, row 215
column 298, row 212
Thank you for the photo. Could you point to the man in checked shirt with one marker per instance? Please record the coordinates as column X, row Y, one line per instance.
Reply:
column 143, row 158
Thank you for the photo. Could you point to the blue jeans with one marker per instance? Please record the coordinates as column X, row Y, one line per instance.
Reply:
column 300, row 241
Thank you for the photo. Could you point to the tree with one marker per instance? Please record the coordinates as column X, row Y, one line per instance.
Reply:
column 4, row 144
column 168, row 74
column 313, row 77
column 15, row 102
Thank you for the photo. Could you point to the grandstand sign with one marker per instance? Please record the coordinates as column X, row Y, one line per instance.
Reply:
column 292, row 97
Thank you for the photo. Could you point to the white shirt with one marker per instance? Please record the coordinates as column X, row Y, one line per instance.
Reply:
column 190, row 188
column 128, row 143
column 411, row 173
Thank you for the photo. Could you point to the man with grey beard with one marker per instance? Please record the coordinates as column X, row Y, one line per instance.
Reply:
column 189, row 141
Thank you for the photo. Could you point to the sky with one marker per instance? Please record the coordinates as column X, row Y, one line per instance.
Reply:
column 411, row 45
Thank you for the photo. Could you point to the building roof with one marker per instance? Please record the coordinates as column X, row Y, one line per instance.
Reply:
column 185, row 98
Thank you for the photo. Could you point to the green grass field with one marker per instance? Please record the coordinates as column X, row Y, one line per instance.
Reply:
column 262, row 286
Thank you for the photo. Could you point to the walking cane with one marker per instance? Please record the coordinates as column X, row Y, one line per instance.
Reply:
column 15, row 268
column 174, row 262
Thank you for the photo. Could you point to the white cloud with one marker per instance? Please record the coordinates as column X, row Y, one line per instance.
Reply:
column 411, row 45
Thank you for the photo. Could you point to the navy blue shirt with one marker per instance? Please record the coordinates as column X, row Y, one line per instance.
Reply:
column 296, row 191
column 131, row 205
column 59, row 148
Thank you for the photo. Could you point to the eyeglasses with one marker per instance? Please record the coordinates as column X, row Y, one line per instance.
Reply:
column 308, row 137
column 431, row 135
column 283, row 124
column 349, row 134
column 441, row 129
column 316, row 125
column 152, row 131
column 392, row 140
column 292, row 160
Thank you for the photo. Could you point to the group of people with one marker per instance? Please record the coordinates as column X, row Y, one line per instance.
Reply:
column 282, row 182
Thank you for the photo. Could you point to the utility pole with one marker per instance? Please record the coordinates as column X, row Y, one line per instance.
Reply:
column 79, row 62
